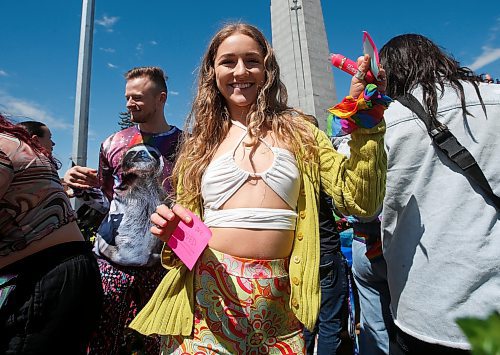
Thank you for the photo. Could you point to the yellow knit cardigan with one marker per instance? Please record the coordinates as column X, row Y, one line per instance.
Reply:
column 357, row 186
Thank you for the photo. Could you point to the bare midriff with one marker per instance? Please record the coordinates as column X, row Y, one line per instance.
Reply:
column 67, row 233
column 252, row 243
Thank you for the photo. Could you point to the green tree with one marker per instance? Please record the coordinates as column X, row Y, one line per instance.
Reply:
column 124, row 121
column 483, row 334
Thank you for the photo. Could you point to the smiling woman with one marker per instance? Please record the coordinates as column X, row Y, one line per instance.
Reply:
column 250, row 168
column 239, row 71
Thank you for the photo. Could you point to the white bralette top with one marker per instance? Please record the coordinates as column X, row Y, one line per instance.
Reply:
column 223, row 177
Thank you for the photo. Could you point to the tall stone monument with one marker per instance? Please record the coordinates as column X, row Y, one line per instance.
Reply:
column 301, row 46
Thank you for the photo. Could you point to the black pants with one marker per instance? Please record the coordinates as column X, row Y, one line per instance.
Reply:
column 404, row 344
column 55, row 304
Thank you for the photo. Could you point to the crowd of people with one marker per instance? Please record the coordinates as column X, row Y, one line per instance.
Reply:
column 267, row 183
column 486, row 78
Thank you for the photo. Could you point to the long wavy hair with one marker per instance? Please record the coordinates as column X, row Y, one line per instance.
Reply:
column 209, row 121
column 412, row 60
column 22, row 134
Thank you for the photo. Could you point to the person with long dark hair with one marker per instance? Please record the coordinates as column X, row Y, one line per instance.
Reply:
column 440, row 229
column 50, row 288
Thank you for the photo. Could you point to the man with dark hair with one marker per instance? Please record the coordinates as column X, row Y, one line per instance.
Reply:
column 40, row 132
column 133, row 166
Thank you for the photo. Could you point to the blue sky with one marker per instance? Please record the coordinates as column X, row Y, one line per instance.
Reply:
column 39, row 46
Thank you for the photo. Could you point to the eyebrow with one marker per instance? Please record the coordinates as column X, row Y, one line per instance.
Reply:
column 247, row 54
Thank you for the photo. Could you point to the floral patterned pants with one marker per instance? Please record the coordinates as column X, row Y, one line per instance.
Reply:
column 241, row 307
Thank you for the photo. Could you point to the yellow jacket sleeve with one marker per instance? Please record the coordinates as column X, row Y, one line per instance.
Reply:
column 170, row 310
column 357, row 184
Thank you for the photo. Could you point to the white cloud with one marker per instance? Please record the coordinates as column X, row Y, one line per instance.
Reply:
column 175, row 93
column 494, row 30
column 107, row 22
column 112, row 66
column 153, row 43
column 92, row 135
column 3, row 73
column 489, row 55
column 139, row 49
column 107, row 50
column 21, row 109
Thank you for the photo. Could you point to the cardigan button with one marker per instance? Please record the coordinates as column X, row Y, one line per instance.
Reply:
column 296, row 259
column 302, row 192
column 295, row 303
column 302, row 214
column 295, row 280
column 300, row 236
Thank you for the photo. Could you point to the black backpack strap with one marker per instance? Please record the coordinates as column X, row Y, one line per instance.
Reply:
column 450, row 146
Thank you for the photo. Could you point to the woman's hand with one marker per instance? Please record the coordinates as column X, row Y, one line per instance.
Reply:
column 358, row 83
column 165, row 220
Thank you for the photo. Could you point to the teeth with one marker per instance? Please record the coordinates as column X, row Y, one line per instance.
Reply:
column 241, row 85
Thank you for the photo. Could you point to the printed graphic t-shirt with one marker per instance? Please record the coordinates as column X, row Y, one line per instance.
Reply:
column 133, row 171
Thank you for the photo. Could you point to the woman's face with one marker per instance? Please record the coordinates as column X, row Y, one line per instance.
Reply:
column 46, row 139
column 239, row 73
